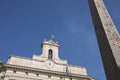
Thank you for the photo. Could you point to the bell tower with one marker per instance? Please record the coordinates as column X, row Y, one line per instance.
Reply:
column 50, row 51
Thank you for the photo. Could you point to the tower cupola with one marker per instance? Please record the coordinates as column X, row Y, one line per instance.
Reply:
column 50, row 51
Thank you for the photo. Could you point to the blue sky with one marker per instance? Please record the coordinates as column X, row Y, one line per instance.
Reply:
column 24, row 24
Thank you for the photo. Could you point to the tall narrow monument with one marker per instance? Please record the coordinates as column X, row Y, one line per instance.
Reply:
column 108, row 39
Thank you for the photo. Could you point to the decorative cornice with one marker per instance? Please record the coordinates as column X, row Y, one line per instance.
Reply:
column 20, row 57
column 35, row 70
column 50, row 42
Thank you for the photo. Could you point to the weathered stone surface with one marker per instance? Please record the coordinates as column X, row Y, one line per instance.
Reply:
column 108, row 39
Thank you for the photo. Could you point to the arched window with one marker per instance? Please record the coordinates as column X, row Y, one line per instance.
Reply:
column 50, row 54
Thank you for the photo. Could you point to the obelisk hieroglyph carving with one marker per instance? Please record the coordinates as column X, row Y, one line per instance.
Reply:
column 108, row 39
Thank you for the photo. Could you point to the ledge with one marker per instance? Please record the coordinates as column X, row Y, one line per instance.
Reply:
column 35, row 70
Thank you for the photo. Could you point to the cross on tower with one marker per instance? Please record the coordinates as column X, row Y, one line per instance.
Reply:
column 52, row 37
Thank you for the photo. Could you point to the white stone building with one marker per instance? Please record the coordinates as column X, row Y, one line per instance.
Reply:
column 47, row 66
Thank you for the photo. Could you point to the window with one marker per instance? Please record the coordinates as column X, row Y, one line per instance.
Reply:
column 61, row 78
column 49, row 76
column 70, row 78
column 50, row 54
column 26, row 73
column 14, row 71
column 37, row 74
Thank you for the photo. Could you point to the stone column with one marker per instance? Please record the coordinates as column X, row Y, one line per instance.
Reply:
column 108, row 39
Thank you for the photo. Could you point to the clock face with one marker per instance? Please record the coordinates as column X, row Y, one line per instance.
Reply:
column 49, row 64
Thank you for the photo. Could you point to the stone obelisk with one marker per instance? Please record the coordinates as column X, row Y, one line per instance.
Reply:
column 108, row 39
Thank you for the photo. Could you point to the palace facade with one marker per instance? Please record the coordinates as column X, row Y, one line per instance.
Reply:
column 47, row 66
